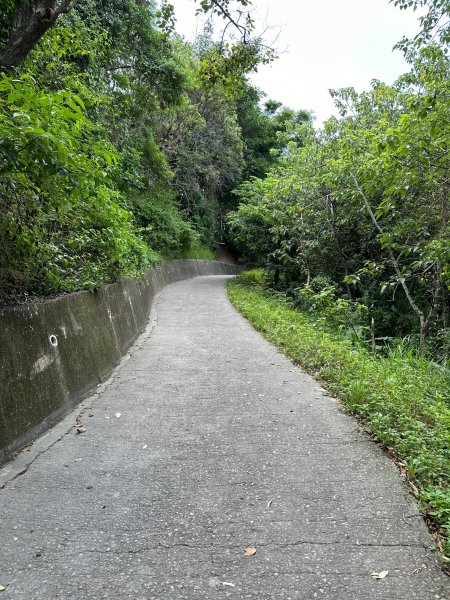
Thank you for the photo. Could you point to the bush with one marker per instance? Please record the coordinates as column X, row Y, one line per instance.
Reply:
column 161, row 223
column 255, row 277
column 63, row 225
column 199, row 252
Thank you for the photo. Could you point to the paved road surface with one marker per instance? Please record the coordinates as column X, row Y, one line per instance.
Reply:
column 221, row 444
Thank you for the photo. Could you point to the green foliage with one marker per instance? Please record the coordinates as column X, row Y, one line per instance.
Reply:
column 199, row 252
column 114, row 152
column 265, row 131
column 160, row 222
column 403, row 401
column 62, row 225
column 254, row 277
column 202, row 142
column 328, row 308
column 227, row 64
column 435, row 23
column 364, row 204
column 6, row 16
column 220, row 8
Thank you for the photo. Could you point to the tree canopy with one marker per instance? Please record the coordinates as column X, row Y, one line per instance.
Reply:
column 359, row 210
column 116, row 147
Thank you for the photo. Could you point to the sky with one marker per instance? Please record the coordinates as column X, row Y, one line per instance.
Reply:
column 323, row 44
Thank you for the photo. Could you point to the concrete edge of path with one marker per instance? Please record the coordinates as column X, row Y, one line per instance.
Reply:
column 21, row 462
column 53, row 353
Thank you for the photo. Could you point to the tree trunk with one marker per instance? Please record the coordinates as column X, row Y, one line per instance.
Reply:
column 423, row 333
column 32, row 18
column 372, row 335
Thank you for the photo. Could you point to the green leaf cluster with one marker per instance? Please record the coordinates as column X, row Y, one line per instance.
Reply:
column 63, row 225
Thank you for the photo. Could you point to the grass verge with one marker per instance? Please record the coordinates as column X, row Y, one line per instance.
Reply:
column 199, row 252
column 403, row 401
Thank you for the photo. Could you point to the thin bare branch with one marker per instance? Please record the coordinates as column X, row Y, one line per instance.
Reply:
column 394, row 260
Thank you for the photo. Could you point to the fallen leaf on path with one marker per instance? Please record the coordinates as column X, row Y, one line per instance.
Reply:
column 250, row 551
column 118, row 415
column 269, row 504
column 2, row 588
column 380, row 575
column 26, row 449
column 79, row 426
column 228, row 583
column 418, row 569
column 107, row 417
column 144, row 446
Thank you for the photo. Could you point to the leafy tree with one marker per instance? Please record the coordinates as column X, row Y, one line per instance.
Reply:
column 435, row 24
column 114, row 149
column 266, row 130
column 29, row 20
column 363, row 204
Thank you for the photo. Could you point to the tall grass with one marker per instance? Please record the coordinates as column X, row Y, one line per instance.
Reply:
column 199, row 252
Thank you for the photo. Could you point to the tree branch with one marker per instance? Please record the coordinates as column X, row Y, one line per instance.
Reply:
column 65, row 7
column 30, row 22
column 401, row 279
column 221, row 10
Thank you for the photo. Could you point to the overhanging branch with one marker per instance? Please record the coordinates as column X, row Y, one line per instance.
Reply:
column 30, row 23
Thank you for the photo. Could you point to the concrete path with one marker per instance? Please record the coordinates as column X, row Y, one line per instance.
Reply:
column 208, row 441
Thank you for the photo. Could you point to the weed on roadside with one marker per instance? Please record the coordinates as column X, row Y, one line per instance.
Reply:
column 402, row 401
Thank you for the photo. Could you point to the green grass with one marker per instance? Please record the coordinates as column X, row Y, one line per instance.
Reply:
column 402, row 400
column 199, row 252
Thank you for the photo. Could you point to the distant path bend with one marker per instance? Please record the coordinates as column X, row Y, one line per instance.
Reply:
column 206, row 442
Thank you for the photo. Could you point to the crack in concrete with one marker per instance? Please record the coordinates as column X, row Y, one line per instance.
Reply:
column 346, row 543
column 39, row 454
column 270, row 546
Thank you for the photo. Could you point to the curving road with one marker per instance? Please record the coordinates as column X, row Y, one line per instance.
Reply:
column 208, row 441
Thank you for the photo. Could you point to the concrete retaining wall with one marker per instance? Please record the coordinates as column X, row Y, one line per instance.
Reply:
column 53, row 353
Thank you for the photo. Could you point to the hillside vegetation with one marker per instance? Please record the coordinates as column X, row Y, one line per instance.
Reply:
column 357, row 212
column 120, row 142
